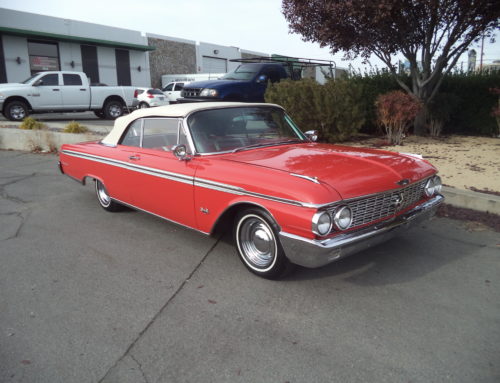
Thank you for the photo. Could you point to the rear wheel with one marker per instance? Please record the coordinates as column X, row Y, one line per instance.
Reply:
column 16, row 110
column 113, row 109
column 143, row 105
column 256, row 237
column 104, row 198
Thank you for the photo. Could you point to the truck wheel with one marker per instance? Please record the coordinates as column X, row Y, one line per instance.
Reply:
column 16, row 110
column 99, row 113
column 113, row 109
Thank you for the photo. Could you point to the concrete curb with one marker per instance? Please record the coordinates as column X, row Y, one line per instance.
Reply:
column 40, row 140
column 12, row 138
column 472, row 200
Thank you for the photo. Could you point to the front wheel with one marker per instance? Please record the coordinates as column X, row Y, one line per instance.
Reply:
column 104, row 198
column 16, row 110
column 256, row 237
column 113, row 109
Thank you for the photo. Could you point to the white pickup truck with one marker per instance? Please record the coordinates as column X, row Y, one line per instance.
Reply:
column 63, row 91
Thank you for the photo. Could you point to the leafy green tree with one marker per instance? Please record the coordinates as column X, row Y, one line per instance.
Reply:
column 430, row 34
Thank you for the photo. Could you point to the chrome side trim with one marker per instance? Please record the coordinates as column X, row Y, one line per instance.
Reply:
column 309, row 178
column 139, row 168
column 200, row 182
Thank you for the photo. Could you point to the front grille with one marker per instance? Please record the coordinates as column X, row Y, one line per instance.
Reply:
column 191, row 92
column 372, row 208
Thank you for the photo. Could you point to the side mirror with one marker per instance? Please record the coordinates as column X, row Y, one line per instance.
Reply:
column 180, row 151
column 312, row 135
column 38, row 83
column 262, row 78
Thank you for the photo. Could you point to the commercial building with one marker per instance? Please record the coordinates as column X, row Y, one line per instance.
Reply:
column 31, row 43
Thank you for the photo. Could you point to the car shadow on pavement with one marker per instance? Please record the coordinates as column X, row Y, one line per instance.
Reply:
column 401, row 259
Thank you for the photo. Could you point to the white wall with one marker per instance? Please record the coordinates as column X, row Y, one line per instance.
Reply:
column 34, row 22
column 217, row 51
column 107, row 65
column 14, row 47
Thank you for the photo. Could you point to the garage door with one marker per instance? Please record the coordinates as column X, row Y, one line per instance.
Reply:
column 214, row 65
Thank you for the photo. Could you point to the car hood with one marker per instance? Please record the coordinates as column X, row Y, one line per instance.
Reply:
column 350, row 171
column 215, row 84
column 13, row 86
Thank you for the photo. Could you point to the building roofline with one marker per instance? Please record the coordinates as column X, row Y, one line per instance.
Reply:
column 74, row 39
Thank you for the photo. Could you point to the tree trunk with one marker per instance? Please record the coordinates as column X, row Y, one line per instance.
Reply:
column 420, row 122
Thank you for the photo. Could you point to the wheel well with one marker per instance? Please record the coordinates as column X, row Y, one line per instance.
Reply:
column 16, row 98
column 226, row 219
column 113, row 98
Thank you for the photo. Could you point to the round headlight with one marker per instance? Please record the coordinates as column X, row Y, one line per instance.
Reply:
column 437, row 184
column 343, row 217
column 430, row 187
column 322, row 223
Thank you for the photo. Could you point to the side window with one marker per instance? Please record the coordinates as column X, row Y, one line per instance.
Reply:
column 179, row 86
column 49, row 80
column 133, row 135
column 160, row 133
column 72, row 79
column 168, row 87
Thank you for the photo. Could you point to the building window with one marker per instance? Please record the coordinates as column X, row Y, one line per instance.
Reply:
column 43, row 56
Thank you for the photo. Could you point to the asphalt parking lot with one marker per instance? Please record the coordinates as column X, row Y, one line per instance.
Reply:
column 92, row 296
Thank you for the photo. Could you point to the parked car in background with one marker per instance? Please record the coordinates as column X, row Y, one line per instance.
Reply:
column 173, row 90
column 149, row 97
column 248, row 168
column 64, row 91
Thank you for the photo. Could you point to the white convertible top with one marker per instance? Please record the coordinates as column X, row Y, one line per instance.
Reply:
column 175, row 111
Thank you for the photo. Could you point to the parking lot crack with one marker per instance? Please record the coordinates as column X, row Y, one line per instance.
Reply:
column 162, row 309
column 139, row 366
column 9, row 197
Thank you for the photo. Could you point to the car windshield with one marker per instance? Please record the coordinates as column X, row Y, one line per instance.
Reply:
column 242, row 128
column 243, row 72
column 30, row 78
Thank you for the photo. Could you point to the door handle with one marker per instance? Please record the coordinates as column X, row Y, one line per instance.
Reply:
column 83, row 90
column 135, row 157
column 55, row 90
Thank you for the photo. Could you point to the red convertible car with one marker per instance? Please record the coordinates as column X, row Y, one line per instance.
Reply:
column 288, row 199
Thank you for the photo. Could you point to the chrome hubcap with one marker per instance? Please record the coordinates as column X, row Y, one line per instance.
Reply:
column 256, row 242
column 115, row 110
column 17, row 112
column 102, row 194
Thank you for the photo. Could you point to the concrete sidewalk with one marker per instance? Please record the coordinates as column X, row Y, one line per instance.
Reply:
column 12, row 138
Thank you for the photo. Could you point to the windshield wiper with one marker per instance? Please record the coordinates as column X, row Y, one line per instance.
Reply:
column 266, row 144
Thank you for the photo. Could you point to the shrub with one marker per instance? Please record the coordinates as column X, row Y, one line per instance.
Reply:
column 495, row 111
column 75, row 127
column 396, row 111
column 29, row 123
column 334, row 109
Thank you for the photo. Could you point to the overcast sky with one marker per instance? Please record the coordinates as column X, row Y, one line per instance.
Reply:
column 256, row 25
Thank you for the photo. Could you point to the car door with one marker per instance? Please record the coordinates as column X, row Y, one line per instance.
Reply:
column 173, row 91
column 46, row 93
column 163, row 185
column 74, row 93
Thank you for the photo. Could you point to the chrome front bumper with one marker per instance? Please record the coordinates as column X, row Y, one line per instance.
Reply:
column 315, row 253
